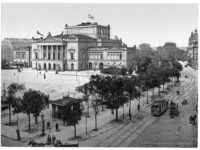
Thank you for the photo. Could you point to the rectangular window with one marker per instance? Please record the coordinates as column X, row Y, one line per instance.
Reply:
column 72, row 56
column 101, row 56
column 120, row 56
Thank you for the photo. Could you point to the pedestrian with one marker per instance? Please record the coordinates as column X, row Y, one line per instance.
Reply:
column 53, row 139
column 129, row 116
column 57, row 127
column 59, row 141
column 18, row 135
column 44, row 76
column 48, row 126
column 138, row 106
column 49, row 139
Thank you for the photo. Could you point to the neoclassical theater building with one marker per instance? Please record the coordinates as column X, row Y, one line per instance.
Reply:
column 81, row 47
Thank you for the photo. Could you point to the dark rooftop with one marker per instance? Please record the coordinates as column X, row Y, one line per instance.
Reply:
column 79, row 36
column 64, row 101
column 86, row 24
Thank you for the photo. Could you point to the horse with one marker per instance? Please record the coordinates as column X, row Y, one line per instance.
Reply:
column 35, row 144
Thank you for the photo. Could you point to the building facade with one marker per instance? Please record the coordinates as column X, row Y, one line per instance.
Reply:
column 17, row 51
column 192, row 50
column 82, row 47
column 22, row 56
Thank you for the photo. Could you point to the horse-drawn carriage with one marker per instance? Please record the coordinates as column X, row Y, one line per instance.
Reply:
column 173, row 109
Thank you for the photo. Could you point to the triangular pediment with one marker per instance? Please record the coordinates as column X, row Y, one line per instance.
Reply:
column 50, row 40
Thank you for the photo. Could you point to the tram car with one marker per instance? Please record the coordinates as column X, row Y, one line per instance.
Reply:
column 158, row 107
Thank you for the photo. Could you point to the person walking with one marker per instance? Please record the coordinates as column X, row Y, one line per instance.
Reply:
column 48, row 126
column 138, row 107
column 44, row 76
column 53, row 139
column 57, row 127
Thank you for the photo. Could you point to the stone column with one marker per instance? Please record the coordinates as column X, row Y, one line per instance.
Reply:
column 47, row 52
column 56, row 53
column 42, row 53
column 61, row 53
column 52, row 52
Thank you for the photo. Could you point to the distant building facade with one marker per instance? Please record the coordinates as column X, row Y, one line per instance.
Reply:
column 17, row 51
column 192, row 50
column 82, row 47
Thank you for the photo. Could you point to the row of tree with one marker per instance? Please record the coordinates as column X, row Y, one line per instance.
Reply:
column 20, row 101
column 116, row 90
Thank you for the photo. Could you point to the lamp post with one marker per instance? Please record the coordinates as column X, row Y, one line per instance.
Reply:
column 43, row 127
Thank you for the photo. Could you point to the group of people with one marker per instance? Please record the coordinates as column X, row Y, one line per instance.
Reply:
column 53, row 140
column 49, row 126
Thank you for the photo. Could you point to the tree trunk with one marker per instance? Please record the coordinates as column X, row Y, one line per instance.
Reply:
column 159, row 91
column 130, row 106
column 88, row 108
column 112, row 111
column 74, row 130
column 95, row 121
column 163, row 87
column 29, row 122
column 153, row 95
column 102, row 103
column 147, row 98
column 9, row 114
column 36, row 119
column 123, row 111
column 117, row 114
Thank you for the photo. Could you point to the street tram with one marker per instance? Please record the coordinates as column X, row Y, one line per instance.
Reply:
column 158, row 107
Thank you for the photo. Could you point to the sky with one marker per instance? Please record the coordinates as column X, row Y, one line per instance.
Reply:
column 134, row 23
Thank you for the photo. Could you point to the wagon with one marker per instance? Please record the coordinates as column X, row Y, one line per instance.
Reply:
column 173, row 109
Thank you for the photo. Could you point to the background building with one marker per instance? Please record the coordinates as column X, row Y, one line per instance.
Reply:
column 17, row 51
column 192, row 50
column 82, row 47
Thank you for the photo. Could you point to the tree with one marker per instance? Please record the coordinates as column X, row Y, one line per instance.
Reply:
column 33, row 103
column 131, row 87
column 4, row 64
column 95, row 104
column 98, row 85
column 171, row 52
column 11, row 98
column 143, row 63
column 72, row 113
column 123, row 71
column 115, row 90
column 84, row 89
column 164, row 71
column 153, row 71
column 130, row 70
